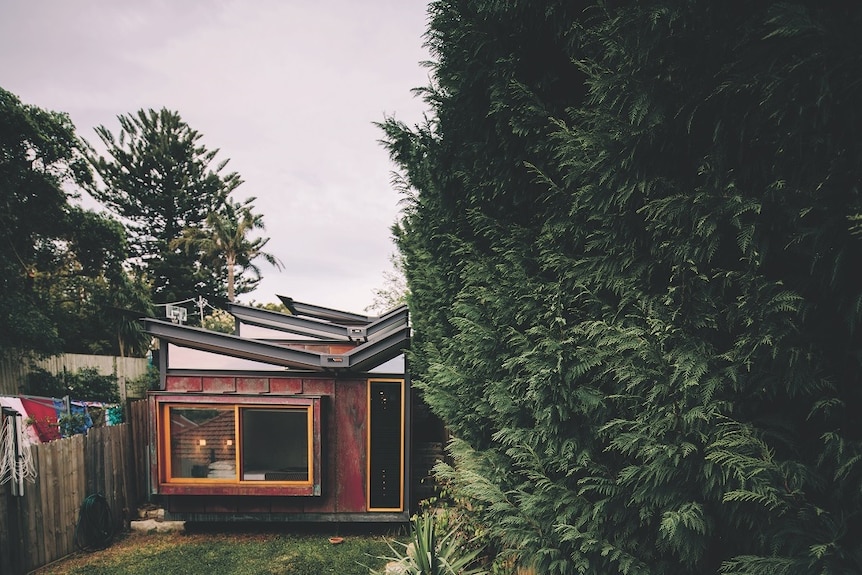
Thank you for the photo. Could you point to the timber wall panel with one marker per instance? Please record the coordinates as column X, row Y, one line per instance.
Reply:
column 48, row 508
column 15, row 367
column 13, row 370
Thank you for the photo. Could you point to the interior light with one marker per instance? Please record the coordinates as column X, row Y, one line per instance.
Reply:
column 202, row 442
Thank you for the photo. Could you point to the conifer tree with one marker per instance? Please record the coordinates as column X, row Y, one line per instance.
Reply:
column 159, row 179
column 631, row 249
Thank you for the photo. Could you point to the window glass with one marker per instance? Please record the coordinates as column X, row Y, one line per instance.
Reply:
column 203, row 442
column 275, row 444
column 241, row 444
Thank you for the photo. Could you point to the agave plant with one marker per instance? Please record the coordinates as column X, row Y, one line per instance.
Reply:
column 428, row 554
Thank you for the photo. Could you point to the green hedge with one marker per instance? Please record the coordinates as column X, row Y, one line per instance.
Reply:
column 631, row 242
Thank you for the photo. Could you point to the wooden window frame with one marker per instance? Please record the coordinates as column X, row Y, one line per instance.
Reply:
column 368, row 473
column 236, row 486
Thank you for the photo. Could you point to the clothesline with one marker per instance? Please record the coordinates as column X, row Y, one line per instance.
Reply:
column 46, row 416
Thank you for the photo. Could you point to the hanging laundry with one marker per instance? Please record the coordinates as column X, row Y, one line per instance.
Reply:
column 14, row 403
column 42, row 417
column 79, row 421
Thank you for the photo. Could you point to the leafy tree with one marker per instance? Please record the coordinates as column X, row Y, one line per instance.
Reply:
column 271, row 306
column 124, row 307
column 86, row 384
column 394, row 291
column 630, row 249
column 56, row 258
column 159, row 178
column 219, row 320
column 222, row 241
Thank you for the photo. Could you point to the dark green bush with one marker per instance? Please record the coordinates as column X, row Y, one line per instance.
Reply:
column 86, row 384
column 630, row 243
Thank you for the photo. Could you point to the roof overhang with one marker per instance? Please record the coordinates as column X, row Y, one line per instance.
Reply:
column 231, row 345
column 317, row 328
column 382, row 339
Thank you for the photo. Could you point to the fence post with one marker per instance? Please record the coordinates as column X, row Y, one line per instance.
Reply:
column 11, row 541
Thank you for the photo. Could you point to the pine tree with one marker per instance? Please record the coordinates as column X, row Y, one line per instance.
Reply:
column 159, row 178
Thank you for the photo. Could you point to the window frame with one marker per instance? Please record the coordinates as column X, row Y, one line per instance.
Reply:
column 401, row 443
column 237, row 486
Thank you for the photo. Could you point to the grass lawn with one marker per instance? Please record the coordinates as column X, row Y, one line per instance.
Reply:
column 223, row 552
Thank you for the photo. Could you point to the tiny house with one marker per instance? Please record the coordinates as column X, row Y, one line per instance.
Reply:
column 301, row 416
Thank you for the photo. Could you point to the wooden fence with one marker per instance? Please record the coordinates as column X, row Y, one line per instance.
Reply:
column 14, row 369
column 40, row 526
column 138, row 415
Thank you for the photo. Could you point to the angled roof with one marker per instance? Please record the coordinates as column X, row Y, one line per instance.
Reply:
column 377, row 339
column 296, row 324
column 325, row 313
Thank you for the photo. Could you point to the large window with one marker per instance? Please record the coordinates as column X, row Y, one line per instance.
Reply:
column 249, row 446
column 266, row 460
column 202, row 442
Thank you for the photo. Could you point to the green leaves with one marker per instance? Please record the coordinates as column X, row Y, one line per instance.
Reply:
column 222, row 241
column 631, row 265
column 56, row 259
column 430, row 553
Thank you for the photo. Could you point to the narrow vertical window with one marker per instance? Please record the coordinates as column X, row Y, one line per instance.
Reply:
column 386, row 445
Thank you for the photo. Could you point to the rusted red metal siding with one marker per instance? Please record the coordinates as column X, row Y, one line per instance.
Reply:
column 351, row 424
column 185, row 384
column 218, row 384
column 341, row 423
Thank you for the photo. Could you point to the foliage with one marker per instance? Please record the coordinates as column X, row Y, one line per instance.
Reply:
column 126, row 306
column 57, row 260
column 394, row 291
column 159, row 178
column 222, row 241
column 86, row 384
column 630, row 243
column 455, row 513
column 279, row 307
column 72, row 423
column 149, row 380
column 221, row 321
column 431, row 553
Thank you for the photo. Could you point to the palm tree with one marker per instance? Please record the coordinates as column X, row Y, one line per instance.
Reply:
column 223, row 241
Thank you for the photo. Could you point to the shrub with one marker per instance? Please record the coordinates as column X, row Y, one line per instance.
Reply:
column 432, row 553
column 86, row 384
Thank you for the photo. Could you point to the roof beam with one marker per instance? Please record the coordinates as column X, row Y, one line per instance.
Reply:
column 231, row 345
column 324, row 313
column 396, row 317
column 376, row 352
column 288, row 323
column 387, row 344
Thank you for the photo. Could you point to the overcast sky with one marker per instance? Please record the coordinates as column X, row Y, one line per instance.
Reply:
column 288, row 90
